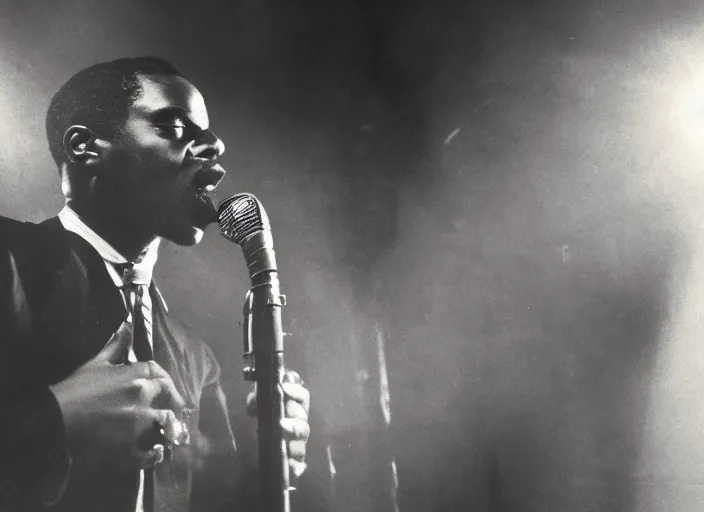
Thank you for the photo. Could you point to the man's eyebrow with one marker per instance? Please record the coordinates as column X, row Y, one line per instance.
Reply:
column 168, row 113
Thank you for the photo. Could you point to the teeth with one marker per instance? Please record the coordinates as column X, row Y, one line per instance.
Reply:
column 205, row 189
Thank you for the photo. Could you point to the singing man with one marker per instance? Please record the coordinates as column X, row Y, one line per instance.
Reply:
column 106, row 402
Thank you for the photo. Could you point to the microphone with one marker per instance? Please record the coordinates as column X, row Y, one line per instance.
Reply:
column 244, row 221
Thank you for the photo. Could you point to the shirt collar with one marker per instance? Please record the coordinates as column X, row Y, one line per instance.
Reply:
column 144, row 268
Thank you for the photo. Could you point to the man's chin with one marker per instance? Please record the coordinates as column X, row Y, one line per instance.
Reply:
column 187, row 239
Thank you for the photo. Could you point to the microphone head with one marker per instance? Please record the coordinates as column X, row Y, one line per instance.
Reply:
column 240, row 216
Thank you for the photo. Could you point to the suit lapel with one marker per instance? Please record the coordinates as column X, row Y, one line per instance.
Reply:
column 82, row 307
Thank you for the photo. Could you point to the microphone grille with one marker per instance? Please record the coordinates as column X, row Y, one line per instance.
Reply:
column 240, row 216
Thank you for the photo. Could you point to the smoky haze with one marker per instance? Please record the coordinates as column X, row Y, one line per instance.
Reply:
column 507, row 191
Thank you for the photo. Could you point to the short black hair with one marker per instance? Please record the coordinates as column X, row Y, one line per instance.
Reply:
column 99, row 97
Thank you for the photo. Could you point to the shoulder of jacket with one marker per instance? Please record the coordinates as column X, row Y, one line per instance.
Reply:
column 9, row 225
column 18, row 235
column 30, row 244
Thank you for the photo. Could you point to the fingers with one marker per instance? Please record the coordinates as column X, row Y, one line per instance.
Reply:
column 160, row 431
column 163, row 417
column 297, row 395
column 292, row 377
column 297, row 468
column 296, row 420
column 294, row 394
column 295, row 429
column 297, row 449
column 172, row 429
column 296, row 432
column 156, row 385
column 148, row 458
column 118, row 345
column 295, row 424
column 150, row 370
column 172, row 399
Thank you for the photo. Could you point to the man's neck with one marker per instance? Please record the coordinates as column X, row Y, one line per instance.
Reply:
column 129, row 241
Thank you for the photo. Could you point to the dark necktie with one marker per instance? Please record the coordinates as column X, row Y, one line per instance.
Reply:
column 134, row 293
column 143, row 352
column 140, row 337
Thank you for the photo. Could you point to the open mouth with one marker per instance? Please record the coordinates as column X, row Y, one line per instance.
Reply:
column 207, row 179
column 206, row 209
column 204, row 185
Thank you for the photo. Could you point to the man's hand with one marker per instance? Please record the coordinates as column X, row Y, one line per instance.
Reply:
column 295, row 424
column 113, row 411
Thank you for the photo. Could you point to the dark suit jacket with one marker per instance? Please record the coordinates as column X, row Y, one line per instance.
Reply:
column 58, row 308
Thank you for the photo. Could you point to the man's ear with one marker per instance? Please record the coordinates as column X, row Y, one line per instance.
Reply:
column 81, row 145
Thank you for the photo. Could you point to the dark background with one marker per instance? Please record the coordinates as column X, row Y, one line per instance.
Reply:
column 506, row 194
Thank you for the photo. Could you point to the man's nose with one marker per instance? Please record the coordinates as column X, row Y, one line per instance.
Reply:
column 208, row 146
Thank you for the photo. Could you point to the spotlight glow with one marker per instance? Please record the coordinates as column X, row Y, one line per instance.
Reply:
column 688, row 110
